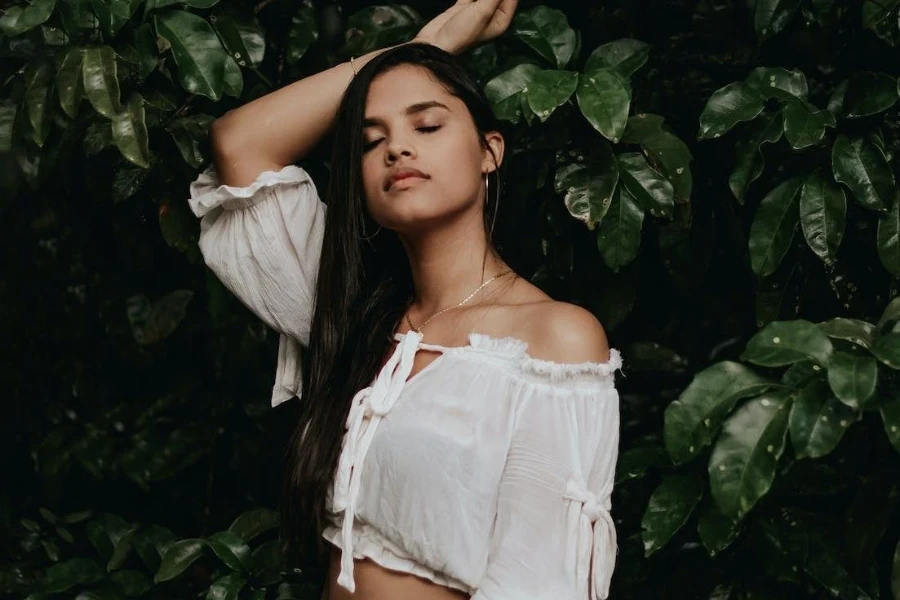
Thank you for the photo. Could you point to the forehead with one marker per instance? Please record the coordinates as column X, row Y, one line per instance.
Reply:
column 402, row 86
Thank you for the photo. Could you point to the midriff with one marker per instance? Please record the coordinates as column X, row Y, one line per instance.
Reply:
column 374, row 582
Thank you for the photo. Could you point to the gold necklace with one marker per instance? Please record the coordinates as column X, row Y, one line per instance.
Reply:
column 469, row 297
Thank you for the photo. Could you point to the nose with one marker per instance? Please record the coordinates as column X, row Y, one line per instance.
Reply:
column 399, row 146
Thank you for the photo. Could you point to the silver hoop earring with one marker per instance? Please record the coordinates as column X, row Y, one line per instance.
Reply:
column 367, row 238
column 486, row 188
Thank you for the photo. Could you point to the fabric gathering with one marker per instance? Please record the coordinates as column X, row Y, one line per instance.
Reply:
column 489, row 471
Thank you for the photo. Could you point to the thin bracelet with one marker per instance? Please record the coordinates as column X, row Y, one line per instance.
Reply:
column 352, row 66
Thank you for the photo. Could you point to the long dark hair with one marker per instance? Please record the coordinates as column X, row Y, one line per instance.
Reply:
column 363, row 289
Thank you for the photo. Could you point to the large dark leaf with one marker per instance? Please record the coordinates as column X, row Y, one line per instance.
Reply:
column 651, row 189
column 101, row 81
column 774, row 226
column 823, row 213
column 888, row 237
column 113, row 14
column 152, row 322
column 70, row 81
column 625, row 56
column 765, row 129
column 226, row 588
column 852, row 377
column 862, row 166
column 379, row 26
column 550, row 89
column 604, row 97
column 818, row 420
column 716, row 530
column 588, row 189
column 189, row 134
column 548, row 33
column 772, row 16
column 39, row 99
column 254, row 522
column 68, row 574
column 890, row 417
column 242, row 36
column 875, row 11
column 204, row 67
column 852, row 330
column 231, row 548
column 869, row 94
column 619, row 234
column 129, row 131
column 693, row 420
column 19, row 19
column 8, row 110
column 665, row 152
column 786, row 342
column 506, row 89
column 178, row 557
column 743, row 461
column 775, row 82
column 804, row 124
column 728, row 106
column 671, row 503
column 304, row 31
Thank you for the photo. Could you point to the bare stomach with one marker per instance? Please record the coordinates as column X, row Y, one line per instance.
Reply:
column 374, row 582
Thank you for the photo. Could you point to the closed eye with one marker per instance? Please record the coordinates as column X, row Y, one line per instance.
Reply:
column 431, row 129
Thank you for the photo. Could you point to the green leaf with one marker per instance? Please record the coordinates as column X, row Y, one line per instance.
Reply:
column 852, row 378
column 891, row 313
column 104, row 533
column 887, row 349
column 693, row 420
column 70, row 573
column 242, row 36
column 671, row 503
column 151, row 544
column 665, row 152
column 70, row 81
column 728, row 106
column 804, row 124
column 588, row 189
column 230, row 548
column 189, row 134
column 765, row 129
column 97, row 137
column 852, row 330
column 862, row 166
column 619, row 234
column 774, row 224
column 547, row 32
column 890, row 417
column 625, row 56
column 304, row 31
column 653, row 191
column 101, row 82
column 888, row 237
column 178, row 557
column 818, row 420
column 744, row 459
column 869, row 94
column 121, row 550
column 379, row 26
column 233, row 81
column 203, row 65
column 836, row 101
column 8, row 110
column 153, row 322
column 146, row 49
column 113, row 14
column 823, row 214
column 550, row 89
column 785, row 342
column 772, row 16
column 39, row 99
column 505, row 91
column 253, row 523
column 604, row 98
column 226, row 588
column 778, row 83
column 130, row 582
column 716, row 530
column 873, row 12
column 19, row 19
column 635, row 462
column 127, row 180
column 156, row 4
column 129, row 132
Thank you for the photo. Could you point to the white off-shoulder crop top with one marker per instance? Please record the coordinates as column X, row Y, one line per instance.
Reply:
column 489, row 471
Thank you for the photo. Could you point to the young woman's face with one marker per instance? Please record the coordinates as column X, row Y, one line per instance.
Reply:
column 416, row 130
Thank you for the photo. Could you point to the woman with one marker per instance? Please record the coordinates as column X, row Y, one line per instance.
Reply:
column 459, row 428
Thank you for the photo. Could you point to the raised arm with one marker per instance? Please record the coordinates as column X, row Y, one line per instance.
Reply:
column 281, row 127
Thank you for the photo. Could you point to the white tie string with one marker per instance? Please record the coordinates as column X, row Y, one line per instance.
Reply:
column 367, row 409
column 593, row 556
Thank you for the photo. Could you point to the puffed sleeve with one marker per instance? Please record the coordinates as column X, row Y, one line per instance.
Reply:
column 263, row 242
column 554, row 537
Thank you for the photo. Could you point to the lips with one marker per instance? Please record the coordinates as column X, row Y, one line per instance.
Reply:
column 401, row 174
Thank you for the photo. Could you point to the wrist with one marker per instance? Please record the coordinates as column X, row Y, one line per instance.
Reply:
column 422, row 40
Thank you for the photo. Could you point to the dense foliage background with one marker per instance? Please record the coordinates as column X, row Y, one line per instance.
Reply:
column 715, row 179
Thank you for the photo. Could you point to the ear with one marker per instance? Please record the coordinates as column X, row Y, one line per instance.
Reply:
column 497, row 145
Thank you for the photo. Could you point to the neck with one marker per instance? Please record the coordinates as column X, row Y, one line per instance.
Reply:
column 448, row 264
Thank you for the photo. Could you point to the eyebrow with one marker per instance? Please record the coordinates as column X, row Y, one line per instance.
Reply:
column 410, row 110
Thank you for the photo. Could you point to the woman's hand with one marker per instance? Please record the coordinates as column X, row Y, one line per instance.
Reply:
column 468, row 23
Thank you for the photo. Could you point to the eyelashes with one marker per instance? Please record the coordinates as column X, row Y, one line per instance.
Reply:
column 369, row 145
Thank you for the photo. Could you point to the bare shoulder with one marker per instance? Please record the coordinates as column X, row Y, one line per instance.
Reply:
column 565, row 333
